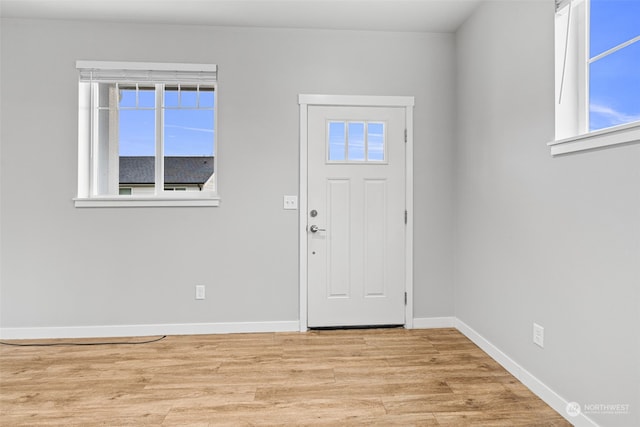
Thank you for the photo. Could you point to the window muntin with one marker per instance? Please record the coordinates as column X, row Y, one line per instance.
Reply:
column 137, row 121
column 356, row 142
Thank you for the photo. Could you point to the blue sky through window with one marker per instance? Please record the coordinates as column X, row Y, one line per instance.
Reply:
column 614, row 80
column 188, row 131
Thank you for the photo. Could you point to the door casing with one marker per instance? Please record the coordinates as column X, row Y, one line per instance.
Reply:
column 306, row 100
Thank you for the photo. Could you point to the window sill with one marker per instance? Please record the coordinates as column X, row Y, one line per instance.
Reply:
column 145, row 202
column 624, row 134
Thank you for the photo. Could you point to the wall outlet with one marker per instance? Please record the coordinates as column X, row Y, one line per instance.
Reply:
column 290, row 202
column 199, row 291
column 538, row 335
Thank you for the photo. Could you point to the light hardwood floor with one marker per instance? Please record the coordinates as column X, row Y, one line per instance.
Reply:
column 355, row 377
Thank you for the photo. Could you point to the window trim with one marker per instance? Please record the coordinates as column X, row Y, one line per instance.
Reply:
column 138, row 72
column 148, row 201
column 609, row 137
column 572, row 87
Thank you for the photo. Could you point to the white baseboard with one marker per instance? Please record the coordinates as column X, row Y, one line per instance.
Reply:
column 540, row 389
column 147, row 330
column 434, row 322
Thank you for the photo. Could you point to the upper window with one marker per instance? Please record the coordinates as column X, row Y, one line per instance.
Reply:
column 597, row 73
column 147, row 134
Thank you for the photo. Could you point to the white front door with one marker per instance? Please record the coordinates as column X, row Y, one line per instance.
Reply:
column 356, row 216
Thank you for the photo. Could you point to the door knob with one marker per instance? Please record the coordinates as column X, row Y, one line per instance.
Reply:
column 314, row 229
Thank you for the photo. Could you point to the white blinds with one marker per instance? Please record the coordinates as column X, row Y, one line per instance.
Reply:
column 103, row 71
column 561, row 3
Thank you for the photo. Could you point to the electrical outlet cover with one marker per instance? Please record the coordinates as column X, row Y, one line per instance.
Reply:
column 538, row 335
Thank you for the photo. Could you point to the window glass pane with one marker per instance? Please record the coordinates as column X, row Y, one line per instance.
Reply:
column 356, row 141
column 614, row 88
column 137, row 132
column 188, row 132
column 336, row 141
column 136, row 148
column 613, row 22
column 375, row 142
column 146, row 97
column 171, row 96
column 127, row 97
column 206, row 97
column 188, row 96
column 189, row 143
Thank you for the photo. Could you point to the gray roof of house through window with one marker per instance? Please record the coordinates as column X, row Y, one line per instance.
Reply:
column 177, row 170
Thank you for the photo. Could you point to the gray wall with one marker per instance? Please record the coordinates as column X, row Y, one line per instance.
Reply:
column 538, row 239
column 63, row 266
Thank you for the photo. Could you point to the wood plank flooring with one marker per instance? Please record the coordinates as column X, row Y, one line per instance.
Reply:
column 433, row 377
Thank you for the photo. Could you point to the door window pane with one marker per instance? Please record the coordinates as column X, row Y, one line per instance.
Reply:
column 375, row 142
column 356, row 141
column 337, row 139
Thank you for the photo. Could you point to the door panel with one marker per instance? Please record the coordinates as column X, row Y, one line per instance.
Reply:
column 375, row 230
column 339, row 238
column 356, row 241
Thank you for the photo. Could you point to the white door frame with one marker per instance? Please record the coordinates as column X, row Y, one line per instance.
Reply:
column 406, row 102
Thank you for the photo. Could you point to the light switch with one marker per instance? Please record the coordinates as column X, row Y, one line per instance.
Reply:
column 290, row 202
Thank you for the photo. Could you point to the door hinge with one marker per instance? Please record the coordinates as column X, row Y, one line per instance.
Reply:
column 405, row 298
column 406, row 214
column 405, row 135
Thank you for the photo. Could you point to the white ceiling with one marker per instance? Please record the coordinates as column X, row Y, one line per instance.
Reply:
column 379, row 15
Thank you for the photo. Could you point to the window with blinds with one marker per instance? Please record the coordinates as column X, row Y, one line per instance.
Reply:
column 145, row 130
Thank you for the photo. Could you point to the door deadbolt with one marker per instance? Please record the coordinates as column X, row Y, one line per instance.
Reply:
column 313, row 213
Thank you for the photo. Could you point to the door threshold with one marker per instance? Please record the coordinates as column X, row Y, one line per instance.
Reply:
column 338, row 328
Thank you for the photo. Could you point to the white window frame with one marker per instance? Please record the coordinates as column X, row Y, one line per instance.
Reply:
column 572, row 86
column 365, row 160
column 139, row 72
